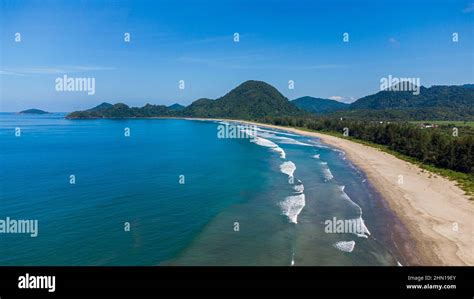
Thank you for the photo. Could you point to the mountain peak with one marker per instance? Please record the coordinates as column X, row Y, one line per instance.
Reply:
column 101, row 107
column 176, row 106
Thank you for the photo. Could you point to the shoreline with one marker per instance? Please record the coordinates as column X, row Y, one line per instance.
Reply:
column 436, row 214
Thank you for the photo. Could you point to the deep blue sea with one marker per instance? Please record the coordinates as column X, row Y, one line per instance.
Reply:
column 174, row 193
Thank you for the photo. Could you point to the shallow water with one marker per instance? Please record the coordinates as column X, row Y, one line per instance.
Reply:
column 190, row 198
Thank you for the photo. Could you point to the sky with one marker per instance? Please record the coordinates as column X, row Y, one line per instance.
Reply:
column 194, row 41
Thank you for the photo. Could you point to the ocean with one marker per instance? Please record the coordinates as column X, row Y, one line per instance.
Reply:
column 172, row 192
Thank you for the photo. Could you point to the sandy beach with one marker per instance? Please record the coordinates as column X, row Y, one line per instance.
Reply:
column 437, row 214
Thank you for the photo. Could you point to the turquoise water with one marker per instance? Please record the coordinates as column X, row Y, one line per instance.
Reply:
column 190, row 198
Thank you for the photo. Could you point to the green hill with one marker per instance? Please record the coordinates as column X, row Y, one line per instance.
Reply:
column 249, row 100
column 434, row 103
column 176, row 107
column 102, row 107
column 318, row 106
column 33, row 111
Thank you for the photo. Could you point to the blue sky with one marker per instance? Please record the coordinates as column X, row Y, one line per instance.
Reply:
column 193, row 41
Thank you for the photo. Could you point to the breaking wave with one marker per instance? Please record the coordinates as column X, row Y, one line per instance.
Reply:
column 266, row 143
column 292, row 206
column 288, row 168
column 346, row 246
column 364, row 233
column 327, row 172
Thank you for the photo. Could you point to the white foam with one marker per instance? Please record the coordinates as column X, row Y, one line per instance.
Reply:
column 316, row 156
column 281, row 139
column 327, row 172
column 319, row 145
column 346, row 246
column 277, row 132
column 292, row 206
column 398, row 264
column 286, row 140
column 263, row 142
column 266, row 143
column 288, row 168
column 299, row 188
column 280, row 151
column 364, row 233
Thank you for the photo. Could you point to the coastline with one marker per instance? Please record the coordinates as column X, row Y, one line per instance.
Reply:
column 436, row 213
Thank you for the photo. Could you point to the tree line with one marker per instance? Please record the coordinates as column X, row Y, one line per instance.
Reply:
column 429, row 145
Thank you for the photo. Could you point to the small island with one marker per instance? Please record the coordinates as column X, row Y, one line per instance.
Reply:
column 33, row 111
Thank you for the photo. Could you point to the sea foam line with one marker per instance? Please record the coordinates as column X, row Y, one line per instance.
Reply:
column 281, row 139
column 265, row 142
column 327, row 172
column 277, row 132
column 360, row 221
column 286, row 140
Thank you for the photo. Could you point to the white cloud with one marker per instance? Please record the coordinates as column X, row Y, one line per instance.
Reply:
column 336, row 98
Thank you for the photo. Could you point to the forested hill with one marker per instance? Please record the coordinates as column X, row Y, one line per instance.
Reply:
column 250, row 100
column 434, row 103
column 318, row 106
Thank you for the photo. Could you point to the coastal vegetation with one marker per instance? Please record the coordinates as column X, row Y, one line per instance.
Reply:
column 433, row 150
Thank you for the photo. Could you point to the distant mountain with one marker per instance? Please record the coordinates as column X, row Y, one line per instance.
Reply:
column 434, row 103
column 176, row 106
column 33, row 111
column 250, row 100
column 121, row 110
column 317, row 105
column 255, row 100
